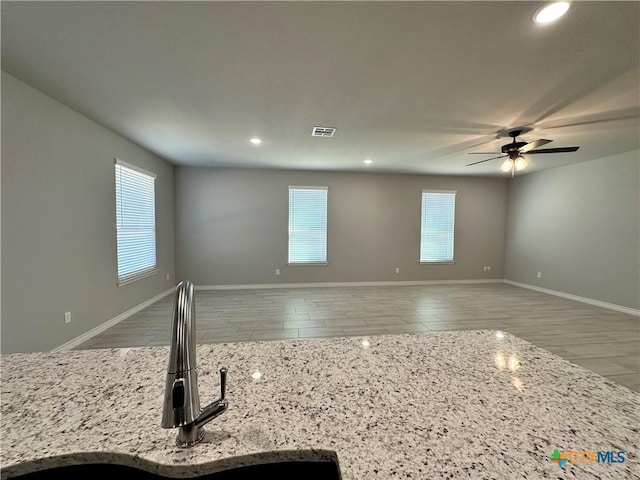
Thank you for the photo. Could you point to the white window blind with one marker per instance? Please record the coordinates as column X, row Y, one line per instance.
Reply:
column 135, row 223
column 308, row 224
column 437, row 226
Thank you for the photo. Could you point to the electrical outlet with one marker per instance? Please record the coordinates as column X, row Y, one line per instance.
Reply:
column 277, row 271
column 539, row 275
column 167, row 276
column 67, row 317
column 397, row 269
column 488, row 268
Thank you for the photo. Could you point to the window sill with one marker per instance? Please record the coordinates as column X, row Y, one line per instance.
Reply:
column 308, row 264
column 450, row 262
column 137, row 276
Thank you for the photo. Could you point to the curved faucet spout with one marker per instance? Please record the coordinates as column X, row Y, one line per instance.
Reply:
column 181, row 407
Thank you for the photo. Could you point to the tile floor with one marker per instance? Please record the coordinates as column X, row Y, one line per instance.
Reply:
column 601, row 340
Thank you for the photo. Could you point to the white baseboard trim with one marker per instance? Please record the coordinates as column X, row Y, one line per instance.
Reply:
column 391, row 283
column 110, row 323
column 577, row 298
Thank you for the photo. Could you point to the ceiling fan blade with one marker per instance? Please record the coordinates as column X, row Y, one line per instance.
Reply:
column 481, row 153
column 533, row 145
column 482, row 161
column 554, row 150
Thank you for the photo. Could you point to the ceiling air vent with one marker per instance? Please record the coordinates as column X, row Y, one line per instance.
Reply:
column 323, row 131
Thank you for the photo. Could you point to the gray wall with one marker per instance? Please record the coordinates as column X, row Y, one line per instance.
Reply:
column 58, row 221
column 231, row 226
column 578, row 225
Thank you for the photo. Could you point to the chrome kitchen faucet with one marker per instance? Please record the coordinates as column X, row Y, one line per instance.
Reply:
column 181, row 408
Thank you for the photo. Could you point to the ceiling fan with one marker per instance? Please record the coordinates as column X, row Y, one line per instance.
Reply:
column 513, row 152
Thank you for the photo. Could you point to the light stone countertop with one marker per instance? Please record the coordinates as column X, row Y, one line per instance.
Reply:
column 436, row 405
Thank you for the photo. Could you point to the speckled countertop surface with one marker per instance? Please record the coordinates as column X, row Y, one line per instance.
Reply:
column 435, row 405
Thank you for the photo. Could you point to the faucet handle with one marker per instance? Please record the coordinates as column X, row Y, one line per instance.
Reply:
column 223, row 382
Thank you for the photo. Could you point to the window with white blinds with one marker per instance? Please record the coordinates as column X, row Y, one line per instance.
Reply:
column 307, row 225
column 437, row 226
column 135, row 223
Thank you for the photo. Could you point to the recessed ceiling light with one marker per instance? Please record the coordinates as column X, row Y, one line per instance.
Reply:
column 255, row 140
column 368, row 161
column 550, row 12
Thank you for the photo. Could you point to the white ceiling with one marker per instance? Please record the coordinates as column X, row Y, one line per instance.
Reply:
column 414, row 86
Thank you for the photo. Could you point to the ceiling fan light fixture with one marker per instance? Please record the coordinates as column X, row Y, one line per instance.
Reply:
column 507, row 165
column 521, row 163
column 550, row 12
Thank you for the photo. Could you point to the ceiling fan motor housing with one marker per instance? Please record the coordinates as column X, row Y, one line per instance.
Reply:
column 511, row 147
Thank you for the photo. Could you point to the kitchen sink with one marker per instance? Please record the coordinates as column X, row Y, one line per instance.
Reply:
column 290, row 470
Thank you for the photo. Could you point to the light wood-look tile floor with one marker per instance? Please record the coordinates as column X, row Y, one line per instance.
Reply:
column 601, row 340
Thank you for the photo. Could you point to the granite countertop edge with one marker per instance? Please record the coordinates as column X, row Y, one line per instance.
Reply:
column 184, row 470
